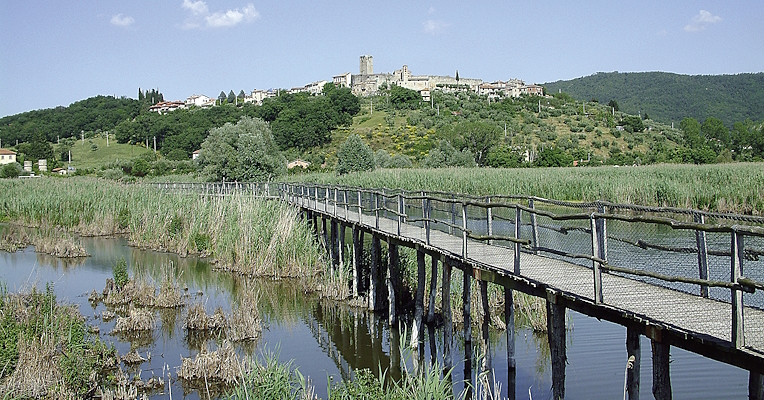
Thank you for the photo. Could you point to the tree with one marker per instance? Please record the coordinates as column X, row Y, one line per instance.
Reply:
column 222, row 97
column 241, row 94
column 12, row 170
column 457, row 76
column 245, row 151
column 479, row 138
column 613, row 104
column 446, row 155
column 504, row 157
column 401, row 97
column 713, row 130
column 231, row 97
column 354, row 156
column 554, row 157
column 690, row 128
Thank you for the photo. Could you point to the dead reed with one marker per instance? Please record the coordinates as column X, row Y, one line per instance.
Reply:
column 219, row 366
column 245, row 319
column 137, row 320
column 198, row 320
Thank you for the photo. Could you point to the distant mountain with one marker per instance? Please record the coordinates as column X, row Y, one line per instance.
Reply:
column 668, row 97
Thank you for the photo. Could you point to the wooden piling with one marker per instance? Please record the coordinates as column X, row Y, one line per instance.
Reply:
column 633, row 365
column 466, row 296
column 334, row 244
column 341, row 246
column 661, row 376
column 374, row 273
column 392, row 282
column 555, row 317
column 357, row 255
column 433, row 290
column 416, row 330
column 509, row 317
column 485, row 344
column 755, row 386
column 448, row 328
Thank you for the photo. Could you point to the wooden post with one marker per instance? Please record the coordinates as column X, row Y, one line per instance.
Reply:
column 427, row 221
column 334, row 248
column 737, row 252
column 485, row 344
column 341, row 246
column 700, row 240
column 360, row 207
column 518, row 222
column 534, row 227
column 466, row 296
column 633, row 368
column 416, row 330
column 489, row 219
column 374, row 273
column 357, row 255
column 601, row 232
column 448, row 328
column 433, row 290
column 453, row 217
column 400, row 212
column 325, row 235
column 392, row 281
column 595, row 264
column 509, row 317
column 755, row 386
column 376, row 209
column 661, row 376
column 464, row 231
column 555, row 317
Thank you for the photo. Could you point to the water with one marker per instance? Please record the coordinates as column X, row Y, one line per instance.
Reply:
column 327, row 340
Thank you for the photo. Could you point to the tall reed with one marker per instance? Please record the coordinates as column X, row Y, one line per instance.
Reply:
column 737, row 187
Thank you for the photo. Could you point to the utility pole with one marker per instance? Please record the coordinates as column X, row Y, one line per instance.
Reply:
column 83, row 137
column 539, row 105
column 155, row 144
column 372, row 107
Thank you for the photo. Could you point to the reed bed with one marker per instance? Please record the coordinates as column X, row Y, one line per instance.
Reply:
column 737, row 187
column 244, row 323
column 46, row 348
column 136, row 320
column 198, row 320
column 219, row 366
column 242, row 234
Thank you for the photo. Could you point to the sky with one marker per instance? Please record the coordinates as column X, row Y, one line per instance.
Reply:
column 53, row 53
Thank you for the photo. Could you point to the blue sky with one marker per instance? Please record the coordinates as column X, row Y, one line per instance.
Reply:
column 55, row 53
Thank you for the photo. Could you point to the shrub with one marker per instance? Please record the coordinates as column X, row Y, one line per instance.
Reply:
column 119, row 271
column 354, row 156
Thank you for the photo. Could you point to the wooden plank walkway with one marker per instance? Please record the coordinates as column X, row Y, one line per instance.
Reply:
column 697, row 318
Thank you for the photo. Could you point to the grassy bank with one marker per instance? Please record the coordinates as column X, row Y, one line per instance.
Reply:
column 735, row 187
column 46, row 349
column 242, row 234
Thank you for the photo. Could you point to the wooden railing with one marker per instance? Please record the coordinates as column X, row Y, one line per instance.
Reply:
column 474, row 219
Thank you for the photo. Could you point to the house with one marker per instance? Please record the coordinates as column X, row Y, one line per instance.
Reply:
column 532, row 90
column 257, row 96
column 298, row 163
column 60, row 171
column 343, row 80
column 7, row 156
column 195, row 154
column 167, row 106
column 200, row 100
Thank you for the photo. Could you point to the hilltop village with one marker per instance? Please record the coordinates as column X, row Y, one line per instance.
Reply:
column 366, row 83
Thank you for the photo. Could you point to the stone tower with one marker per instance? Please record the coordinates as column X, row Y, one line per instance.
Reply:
column 367, row 65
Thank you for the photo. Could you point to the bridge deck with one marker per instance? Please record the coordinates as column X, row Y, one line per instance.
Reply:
column 696, row 316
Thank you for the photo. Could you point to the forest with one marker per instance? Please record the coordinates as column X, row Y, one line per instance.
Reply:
column 668, row 97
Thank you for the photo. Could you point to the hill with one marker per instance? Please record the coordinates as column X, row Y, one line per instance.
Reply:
column 668, row 97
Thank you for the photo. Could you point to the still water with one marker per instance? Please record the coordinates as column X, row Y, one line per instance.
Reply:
column 328, row 341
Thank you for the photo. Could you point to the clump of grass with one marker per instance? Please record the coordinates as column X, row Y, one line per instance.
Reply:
column 269, row 379
column 219, row 366
column 59, row 245
column 136, row 320
column 46, row 348
column 198, row 320
column 245, row 319
column 14, row 238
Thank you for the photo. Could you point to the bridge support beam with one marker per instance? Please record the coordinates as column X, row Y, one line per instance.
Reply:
column 376, row 255
column 509, row 317
column 392, row 282
column 755, row 386
column 334, row 247
column 448, row 328
column 466, row 297
column 632, row 371
column 661, row 376
column 555, row 321
column 357, row 256
column 416, row 330
column 341, row 246
column 485, row 344
column 433, row 290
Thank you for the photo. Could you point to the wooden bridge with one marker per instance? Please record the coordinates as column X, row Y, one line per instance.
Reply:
column 683, row 278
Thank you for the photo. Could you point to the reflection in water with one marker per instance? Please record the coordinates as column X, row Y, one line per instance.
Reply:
column 329, row 339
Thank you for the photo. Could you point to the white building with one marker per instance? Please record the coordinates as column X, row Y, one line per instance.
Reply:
column 257, row 96
column 343, row 80
column 316, row 88
column 200, row 100
column 7, row 156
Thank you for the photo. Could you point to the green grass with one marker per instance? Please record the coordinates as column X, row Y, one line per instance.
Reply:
column 83, row 155
column 737, row 187
column 243, row 234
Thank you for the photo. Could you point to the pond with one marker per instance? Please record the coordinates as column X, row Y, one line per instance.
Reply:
column 328, row 340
